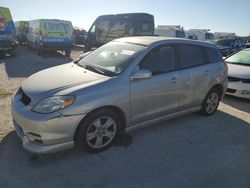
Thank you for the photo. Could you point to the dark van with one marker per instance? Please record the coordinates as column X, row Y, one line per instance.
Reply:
column 109, row 27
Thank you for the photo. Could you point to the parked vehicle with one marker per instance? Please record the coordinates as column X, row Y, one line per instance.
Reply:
column 7, row 32
column 21, row 31
column 109, row 27
column 80, row 36
column 200, row 34
column 123, row 85
column 228, row 46
column 239, row 74
column 50, row 34
column 221, row 35
column 170, row 31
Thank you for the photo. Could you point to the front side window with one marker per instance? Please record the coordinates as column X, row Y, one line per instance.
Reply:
column 160, row 60
column 190, row 56
column 92, row 30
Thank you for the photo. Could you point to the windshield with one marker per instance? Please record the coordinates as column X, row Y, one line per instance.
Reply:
column 227, row 42
column 242, row 57
column 113, row 58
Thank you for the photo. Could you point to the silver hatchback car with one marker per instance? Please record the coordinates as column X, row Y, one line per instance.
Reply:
column 123, row 85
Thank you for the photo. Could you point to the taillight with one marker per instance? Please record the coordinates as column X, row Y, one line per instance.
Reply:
column 225, row 65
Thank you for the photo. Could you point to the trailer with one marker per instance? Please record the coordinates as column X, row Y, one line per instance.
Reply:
column 170, row 31
column 200, row 34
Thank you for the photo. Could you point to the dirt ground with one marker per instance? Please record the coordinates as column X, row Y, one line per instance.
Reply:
column 191, row 151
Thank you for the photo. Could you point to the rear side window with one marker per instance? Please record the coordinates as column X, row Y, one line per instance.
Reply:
column 160, row 60
column 190, row 56
column 213, row 55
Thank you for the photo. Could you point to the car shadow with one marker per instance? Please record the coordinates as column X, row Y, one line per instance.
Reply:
column 190, row 151
column 238, row 103
column 26, row 62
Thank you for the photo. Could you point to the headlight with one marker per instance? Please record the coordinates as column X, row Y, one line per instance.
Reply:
column 53, row 104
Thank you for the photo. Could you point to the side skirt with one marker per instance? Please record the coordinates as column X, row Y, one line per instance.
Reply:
column 162, row 118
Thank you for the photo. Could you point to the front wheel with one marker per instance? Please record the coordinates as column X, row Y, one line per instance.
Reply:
column 98, row 131
column 211, row 102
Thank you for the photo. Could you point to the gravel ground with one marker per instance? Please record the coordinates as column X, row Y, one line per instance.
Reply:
column 191, row 151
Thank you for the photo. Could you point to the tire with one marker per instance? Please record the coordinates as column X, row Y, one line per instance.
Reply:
column 211, row 102
column 98, row 131
column 67, row 53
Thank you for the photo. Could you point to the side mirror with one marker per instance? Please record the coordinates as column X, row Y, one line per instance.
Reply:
column 141, row 74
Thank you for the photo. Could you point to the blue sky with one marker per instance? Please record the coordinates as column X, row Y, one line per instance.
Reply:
column 217, row 15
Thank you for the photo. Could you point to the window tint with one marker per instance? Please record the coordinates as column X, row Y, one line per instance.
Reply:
column 213, row 55
column 190, row 56
column 160, row 60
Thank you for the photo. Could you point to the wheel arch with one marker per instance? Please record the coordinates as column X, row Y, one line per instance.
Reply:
column 115, row 109
column 218, row 87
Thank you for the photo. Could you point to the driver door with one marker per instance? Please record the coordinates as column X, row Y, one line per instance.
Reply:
column 156, row 96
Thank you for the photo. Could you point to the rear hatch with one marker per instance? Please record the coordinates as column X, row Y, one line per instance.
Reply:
column 57, row 31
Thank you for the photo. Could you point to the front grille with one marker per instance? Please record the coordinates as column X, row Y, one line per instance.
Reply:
column 24, row 98
column 234, row 79
column 231, row 90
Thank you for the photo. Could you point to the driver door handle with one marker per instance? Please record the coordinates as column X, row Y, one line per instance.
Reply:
column 174, row 80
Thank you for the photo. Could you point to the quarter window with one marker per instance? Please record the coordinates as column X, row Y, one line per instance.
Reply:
column 213, row 55
column 190, row 56
column 160, row 60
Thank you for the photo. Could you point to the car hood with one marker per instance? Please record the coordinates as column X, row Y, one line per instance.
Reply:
column 238, row 71
column 62, row 77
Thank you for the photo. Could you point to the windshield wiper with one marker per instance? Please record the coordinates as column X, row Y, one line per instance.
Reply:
column 93, row 69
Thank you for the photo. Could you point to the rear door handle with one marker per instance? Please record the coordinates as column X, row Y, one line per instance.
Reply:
column 174, row 80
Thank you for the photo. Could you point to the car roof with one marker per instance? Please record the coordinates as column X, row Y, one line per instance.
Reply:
column 149, row 40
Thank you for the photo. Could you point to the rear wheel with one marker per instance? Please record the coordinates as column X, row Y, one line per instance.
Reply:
column 211, row 102
column 98, row 131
